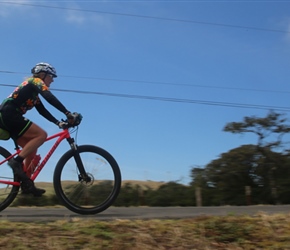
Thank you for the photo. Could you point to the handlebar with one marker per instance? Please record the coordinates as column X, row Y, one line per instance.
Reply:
column 77, row 118
column 65, row 124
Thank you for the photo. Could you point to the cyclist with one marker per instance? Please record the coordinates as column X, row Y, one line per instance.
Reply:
column 24, row 132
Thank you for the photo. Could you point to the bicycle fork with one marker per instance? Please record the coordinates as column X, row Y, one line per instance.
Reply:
column 83, row 176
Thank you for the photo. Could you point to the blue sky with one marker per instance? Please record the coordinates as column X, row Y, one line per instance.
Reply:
column 212, row 51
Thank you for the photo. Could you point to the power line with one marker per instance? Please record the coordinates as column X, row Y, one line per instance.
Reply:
column 189, row 101
column 182, row 84
column 175, row 100
column 149, row 17
column 164, row 83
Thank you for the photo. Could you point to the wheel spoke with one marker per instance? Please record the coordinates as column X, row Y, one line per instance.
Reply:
column 94, row 192
column 7, row 192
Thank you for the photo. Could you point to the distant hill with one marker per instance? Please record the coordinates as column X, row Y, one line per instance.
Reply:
column 144, row 184
column 48, row 186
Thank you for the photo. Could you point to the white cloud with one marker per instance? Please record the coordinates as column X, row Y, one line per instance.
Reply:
column 70, row 15
column 75, row 17
column 83, row 18
column 9, row 9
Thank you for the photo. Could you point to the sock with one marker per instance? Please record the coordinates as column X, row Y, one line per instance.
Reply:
column 19, row 159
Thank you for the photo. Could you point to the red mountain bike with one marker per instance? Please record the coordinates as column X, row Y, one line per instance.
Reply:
column 86, row 179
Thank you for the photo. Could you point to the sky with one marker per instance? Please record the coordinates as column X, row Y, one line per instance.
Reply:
column 156, row 81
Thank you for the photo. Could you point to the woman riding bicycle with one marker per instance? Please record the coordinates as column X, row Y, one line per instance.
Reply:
column 24, row 132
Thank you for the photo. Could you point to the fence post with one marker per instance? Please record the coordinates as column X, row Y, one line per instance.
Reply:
column 248, row 195
column 198, row 197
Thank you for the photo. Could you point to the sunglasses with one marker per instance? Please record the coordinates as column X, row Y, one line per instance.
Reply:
column 51, row 76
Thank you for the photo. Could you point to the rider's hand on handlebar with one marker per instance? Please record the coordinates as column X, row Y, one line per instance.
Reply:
column 61, row 124
column 74, row 119
column 70, row 118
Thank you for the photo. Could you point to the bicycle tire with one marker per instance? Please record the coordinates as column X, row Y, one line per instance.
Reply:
column 90, row 197
column 7, row 192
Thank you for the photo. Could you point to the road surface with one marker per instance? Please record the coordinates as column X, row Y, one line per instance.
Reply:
column 123, row 213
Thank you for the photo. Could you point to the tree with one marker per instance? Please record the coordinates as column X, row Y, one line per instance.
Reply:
column 231, row 173
column 272, row 126
column 246, row 167
column 263, row 168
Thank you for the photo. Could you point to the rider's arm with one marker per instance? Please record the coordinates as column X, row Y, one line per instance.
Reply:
column 45, row 113
column 50, row 98
column 43, row 90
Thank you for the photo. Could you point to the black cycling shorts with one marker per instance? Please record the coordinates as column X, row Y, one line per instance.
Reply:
column 13, row 121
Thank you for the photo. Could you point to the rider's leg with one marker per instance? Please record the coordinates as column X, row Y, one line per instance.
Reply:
column 27, row 135
column 27, row 163
column 29, row 141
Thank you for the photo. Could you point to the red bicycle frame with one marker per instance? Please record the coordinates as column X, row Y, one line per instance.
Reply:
column 65, row 134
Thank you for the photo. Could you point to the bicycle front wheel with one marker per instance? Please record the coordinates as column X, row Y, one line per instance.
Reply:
column 8, row 192
column 98, row 191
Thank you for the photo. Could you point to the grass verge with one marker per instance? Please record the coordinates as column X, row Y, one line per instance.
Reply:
column 228, row 232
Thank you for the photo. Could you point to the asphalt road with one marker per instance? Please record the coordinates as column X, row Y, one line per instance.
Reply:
column 124, row 213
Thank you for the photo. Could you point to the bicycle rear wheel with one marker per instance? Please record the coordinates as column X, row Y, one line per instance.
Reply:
column 8, row 192
column 87, row 196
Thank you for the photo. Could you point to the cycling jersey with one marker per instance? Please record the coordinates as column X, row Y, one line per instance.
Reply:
column 25, row 97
